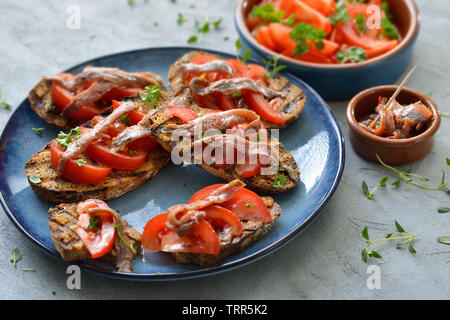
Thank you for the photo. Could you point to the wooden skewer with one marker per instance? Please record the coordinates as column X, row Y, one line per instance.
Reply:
column 400, row 87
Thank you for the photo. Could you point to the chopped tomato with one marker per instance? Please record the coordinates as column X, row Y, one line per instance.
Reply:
column 262, row 107
column 306, row 14
column 98, row 241
column 84, row 174
column 182, row 113
column 325, row 7
column 200, row 239
column 220, row 217
column 246, row 204
column 264, row 38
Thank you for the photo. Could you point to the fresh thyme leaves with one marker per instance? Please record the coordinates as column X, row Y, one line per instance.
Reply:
column 306, row 35
column 360, row 21
column 407, row 176
column 15, row 256
column 117, row 227
column 29, row 269
column 151, row 94
column 4, row 104
column 354, row 54
column 447, row 160
column 443, row 210
column 267, row 13
column 81, row 162
column 272, row 63
column 445, row 113
column 444, row 240
column 64, row 139
column 192, row 39
column 181, row 18
column 401, row 235
column 94, row 222
column 341, row 13
column 247, row 54
column 279, row 181
column 204, row 26
column 35, row 179
column 38, row 131
column 371, row 194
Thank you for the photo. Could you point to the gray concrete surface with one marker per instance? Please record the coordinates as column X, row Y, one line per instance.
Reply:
column 324, row 262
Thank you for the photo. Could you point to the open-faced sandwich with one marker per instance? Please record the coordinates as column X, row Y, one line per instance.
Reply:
column 208, row 81
column 92, row 230
column 81, row 164
column 67, row 100
column 217, row 221
column 229, row 144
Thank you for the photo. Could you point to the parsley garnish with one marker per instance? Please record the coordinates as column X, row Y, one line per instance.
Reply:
column 279, row 181
column 267, row 13
column 64, row 139
column 389, row 30
column 250, row 205
column 360, row 21
column 38, row 131
column 400, row 234
column 354, row 54
column 152, row 94
column 125, row 118
column 272, row 63
column 340, row 14
column 93, row 222
column 81, row 162
column 306, row 35
column 131, row 152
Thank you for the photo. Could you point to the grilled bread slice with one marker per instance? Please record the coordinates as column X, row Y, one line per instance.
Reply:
column 291, row 106
column 119, row 182
column 62, row 221
column 260, row 183
column 253, row 231
column 41, row 102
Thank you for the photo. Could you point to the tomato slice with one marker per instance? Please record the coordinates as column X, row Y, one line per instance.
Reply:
column 256, row 72
column 90, row 204
column 119, row 94
column 86, row 113
column 325, row 7
column 61, row 97
column 240, row 69
column 246, row 204
column 135, row 115
column 182, row 113
column 264, row 38
column 262, row 107
column 220, row 217
column 101, row 241
column 200, row 239
column 151, row 237
column 248, row 170
column 224, row 101
column 85, row 174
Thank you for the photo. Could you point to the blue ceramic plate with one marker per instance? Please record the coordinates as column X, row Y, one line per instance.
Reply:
column 315, row 140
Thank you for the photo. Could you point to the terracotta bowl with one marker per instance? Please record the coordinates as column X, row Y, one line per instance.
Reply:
column 391, row 151
column 343, row 81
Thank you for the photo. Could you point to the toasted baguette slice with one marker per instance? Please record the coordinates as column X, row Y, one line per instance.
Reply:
column 260, row 183
column 253, row 231
column 119, row 182
column 292, row 104
column 41, row 102
column 62, row 221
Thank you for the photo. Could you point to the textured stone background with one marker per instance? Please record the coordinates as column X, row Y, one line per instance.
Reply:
column 324, row 262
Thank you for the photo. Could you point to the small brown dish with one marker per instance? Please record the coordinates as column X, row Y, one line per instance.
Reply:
column 391, row 151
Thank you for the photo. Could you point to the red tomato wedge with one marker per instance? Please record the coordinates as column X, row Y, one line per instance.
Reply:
column 262, row 107
column 119, row 94
column 264, row 38
column 85, row 174
column 97, row 241
column 135, row 115
column 304, row 13
column 220, row 217
column 129, row 159
column 200, row 239
column 224, row 101
column 246, row 204
column 325, row 7
column 182, row 113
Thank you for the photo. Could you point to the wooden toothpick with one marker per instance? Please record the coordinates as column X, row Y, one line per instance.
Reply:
column 400, row 87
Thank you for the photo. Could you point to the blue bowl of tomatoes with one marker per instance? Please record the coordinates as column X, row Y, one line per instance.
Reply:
column 338, row 47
